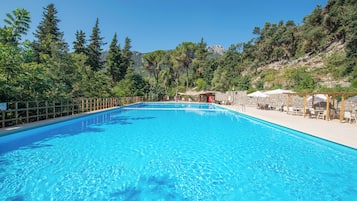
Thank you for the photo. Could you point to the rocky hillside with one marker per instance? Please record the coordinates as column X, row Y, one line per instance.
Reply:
column 314, row 64
column 216, row 49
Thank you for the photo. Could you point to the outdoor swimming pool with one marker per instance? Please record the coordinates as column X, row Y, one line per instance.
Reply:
column 153, row 151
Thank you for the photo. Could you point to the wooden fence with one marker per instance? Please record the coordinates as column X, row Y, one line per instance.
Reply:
column 21, row 112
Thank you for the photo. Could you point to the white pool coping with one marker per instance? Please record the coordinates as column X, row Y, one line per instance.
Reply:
column 335, row 131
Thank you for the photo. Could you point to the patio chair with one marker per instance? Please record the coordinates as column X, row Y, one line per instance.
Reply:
column 353, row 117
column 266, row 107
column 292, row 111
column 311, row 113
column 347, row 115
column 322, row 115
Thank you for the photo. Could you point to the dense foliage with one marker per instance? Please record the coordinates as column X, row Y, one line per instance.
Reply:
column 46, row 69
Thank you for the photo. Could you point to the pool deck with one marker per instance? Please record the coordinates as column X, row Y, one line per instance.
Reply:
column 334, row 130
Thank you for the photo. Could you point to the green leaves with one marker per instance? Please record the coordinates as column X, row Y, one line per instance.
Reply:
column 18, row 23
column 132, row 85
column 300, row 79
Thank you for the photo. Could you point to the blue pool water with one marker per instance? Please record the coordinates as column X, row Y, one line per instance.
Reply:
column 173, row 152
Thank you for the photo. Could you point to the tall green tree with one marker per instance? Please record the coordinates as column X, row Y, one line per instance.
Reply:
column 114, row 60
column 127, row 61
column 48, row 36
column 95, row 48
column 153, row 63
column 198, row 65
column 184, row 55
column 79, row 45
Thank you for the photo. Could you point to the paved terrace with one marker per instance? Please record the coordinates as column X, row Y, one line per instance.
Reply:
column 342, row 133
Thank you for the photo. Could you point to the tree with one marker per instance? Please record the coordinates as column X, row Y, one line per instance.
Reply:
column 10, row 69
column 220, row 81
column 86, row 82
column 200, row 58
column 153, row 63
column 166, row 80
column 201, row 84
column 315, row 18
column 132, row 85
column 242, row 82
column 18, row 23
column 48, row 35
column 290, row 39
column 230, row 67
column 351, row 38
column 314, row 38
column 79, row 45
column 127, row 61
column 34, row 82
column 210, row 67
column 94, row 48
column 184, row 55
column 114, row 60
column 300, row 79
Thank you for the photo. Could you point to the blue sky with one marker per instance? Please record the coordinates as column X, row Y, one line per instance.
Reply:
column 164, row 24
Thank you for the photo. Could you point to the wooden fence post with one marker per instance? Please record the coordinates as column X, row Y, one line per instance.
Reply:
column 27, row 112
column 72, row 106
column 54, row 109
column 16, row 113
column 46, row 106
column 37, row 111
column 3, row 118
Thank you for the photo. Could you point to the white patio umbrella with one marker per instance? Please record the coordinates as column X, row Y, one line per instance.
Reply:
column 278, row 91
column 258, row 94
column 317, row 98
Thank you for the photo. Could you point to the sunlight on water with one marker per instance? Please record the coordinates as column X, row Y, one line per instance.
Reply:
column 173, row 153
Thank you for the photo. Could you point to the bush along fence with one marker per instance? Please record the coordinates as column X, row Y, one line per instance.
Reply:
column 21, row 112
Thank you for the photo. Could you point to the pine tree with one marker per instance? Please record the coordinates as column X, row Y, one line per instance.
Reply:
column 184, row 55
column 79, row 45
column 114, row 59
column 127, row 61
column 49, row 37
column 94, row 48
column 200, row 57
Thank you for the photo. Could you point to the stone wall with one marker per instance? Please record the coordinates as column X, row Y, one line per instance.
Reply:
column 277, row 101
column 240, row 97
